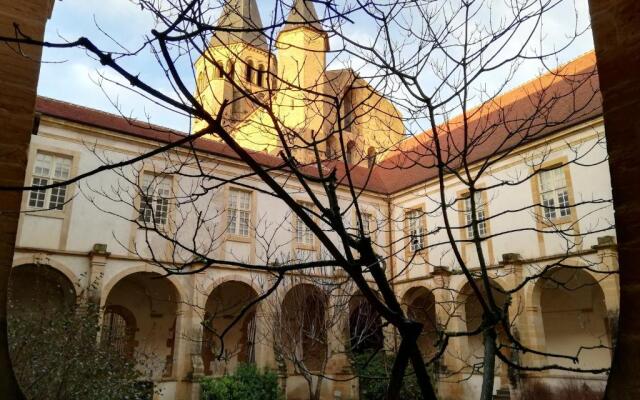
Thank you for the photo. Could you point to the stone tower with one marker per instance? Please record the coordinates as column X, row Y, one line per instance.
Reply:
column 302, row 45
column 236, row 60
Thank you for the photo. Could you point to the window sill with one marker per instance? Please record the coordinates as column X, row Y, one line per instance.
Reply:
column 53, row 214
column 301, row 246
column 238, row 238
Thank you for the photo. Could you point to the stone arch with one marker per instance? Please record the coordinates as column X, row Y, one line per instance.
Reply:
column 225, row 303
column 365, row 326
column 40, row 289
column 109, row 283
column 469, row 310
column 155, row 303
column 572, row 314
column 420, row 305
column 303, row 325
column 75, row 279
column 118, row 330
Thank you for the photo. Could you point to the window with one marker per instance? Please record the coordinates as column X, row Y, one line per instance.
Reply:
column 371, row 157
column 304, row 235
column 554, row 193
column 49, row 169
column 480, row 215
column 249, row 72
column 154, row 204
column 219, row 72
column 415, row 229
column 350, row 153
column 260, row 75
column 231, row 69
column 366, row 223
column 239, row 212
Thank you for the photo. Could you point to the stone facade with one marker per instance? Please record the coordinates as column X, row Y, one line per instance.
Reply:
column 95, row 243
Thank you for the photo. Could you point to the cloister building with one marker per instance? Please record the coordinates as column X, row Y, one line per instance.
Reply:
column 84, row 242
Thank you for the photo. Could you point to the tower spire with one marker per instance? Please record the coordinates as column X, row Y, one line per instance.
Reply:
column 243, row 18
column 302, row 14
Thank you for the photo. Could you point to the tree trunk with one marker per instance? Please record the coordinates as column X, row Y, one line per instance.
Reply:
column 489, row 364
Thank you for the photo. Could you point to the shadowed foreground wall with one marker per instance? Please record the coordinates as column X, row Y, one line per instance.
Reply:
column 616, row 32
column 18, row 82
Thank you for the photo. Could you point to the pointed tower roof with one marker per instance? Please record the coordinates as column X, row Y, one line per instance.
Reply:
column 244, row 16
column 303, row 13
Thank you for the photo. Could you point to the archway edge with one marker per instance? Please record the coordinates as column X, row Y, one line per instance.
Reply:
column 67, row 272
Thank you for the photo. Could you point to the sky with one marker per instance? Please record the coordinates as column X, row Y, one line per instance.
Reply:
column 71, row 75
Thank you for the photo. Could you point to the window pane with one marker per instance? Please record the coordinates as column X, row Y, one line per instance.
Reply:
column 63, row 168
column 57, row 198
column 36, row 197
column 43, row 165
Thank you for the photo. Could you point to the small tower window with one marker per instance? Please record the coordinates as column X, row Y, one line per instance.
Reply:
column 201, row 82
column 371, row 156
column 219, row 73
column 249, row 72
column 230, row 69
column 260, row 76
column 351, row 150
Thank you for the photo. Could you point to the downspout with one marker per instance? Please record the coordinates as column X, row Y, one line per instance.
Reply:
column 392, row 271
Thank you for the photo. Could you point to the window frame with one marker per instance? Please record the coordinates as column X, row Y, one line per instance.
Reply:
column 233, row 236
column 409, row 249
column 314, row 247
column 48, row 194
column 536, row 185
column 142, row 209
column 465, row 217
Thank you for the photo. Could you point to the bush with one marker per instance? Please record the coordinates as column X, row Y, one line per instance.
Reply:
column 247, row 382
column 537, row 390
column 373, row 373
column 56, row 356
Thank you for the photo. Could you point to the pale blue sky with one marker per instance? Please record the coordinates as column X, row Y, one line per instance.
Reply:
column 71, row 75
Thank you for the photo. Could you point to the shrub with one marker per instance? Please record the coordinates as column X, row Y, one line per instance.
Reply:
column 56, row 356
column 247, row 382
column 570, row 390
column 373, row 371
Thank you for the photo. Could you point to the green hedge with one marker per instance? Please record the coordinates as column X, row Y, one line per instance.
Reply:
column 244, row 384
column 374, row 371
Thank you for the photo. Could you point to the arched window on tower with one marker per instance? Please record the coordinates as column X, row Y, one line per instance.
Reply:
column 351, row 150
column 260, row 75
column 249, row 72
column 331, row 147
column 371, row 156
column 231, row 67
column 219, row 73
column 201, row 82
column 347, row 111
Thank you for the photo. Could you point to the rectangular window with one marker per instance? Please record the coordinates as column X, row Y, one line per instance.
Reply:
column 366, row 223
column 154, row 202
column 239, row 212
column 480, row 215
column 49, row 169
column 415, row 229
column 554, row 193
column 304, row 235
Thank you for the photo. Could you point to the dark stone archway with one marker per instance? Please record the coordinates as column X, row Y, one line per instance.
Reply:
column 617, row 40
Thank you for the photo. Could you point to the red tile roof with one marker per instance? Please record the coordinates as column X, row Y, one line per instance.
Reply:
column 554, row 101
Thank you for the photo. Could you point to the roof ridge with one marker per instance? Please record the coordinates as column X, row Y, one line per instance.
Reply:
column 131, row 121
column 578, row 60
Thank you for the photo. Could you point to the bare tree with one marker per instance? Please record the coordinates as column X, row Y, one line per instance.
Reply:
column 432, row 60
